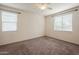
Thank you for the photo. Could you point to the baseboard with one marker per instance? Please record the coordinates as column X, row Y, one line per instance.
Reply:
column 62, row 40
column 22, row 40
column 39, row 37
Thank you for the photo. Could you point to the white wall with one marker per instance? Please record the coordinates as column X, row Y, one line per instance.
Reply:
column 30, row 25
column 66, row 36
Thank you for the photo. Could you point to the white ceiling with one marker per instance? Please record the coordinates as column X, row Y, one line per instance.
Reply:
column 57, row 7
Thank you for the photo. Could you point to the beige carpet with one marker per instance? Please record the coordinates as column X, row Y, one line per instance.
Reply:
column 40, row 46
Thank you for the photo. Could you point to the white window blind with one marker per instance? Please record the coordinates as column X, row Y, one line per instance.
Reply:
column 58, row 23
column 63, row 22
column 9, row 21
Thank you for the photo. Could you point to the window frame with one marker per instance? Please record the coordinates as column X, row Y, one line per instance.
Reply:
column 62, row 23
column 16, row 22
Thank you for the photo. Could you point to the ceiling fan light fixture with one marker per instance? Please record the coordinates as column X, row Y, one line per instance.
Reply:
column 43, row 7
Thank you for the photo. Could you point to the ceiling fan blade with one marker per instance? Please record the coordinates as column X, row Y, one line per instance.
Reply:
column 49, row 8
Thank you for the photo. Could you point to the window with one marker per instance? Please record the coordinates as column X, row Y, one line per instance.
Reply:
column 9, row 21
column 63, row 22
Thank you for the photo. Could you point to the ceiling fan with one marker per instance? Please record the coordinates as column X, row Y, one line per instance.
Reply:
column 43, row 6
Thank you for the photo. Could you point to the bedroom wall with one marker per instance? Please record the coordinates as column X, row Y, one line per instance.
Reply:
column 66, row 36
column 30, row 25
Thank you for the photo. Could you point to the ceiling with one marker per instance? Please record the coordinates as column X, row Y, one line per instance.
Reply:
column 56, row 7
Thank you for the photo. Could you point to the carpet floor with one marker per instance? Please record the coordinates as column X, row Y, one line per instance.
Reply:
column 40, row 46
